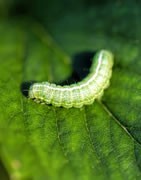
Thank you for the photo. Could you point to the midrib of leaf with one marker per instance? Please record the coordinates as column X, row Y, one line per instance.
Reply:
column 126, row 130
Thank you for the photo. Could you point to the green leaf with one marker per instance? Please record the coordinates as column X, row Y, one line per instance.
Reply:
column 101, row 141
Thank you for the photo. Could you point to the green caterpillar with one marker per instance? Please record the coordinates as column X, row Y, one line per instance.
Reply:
column 81, row 93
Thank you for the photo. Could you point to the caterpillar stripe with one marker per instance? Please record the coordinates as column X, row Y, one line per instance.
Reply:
column 81, row 93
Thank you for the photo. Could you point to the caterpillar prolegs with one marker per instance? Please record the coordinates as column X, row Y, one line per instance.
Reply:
column 81, row 93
